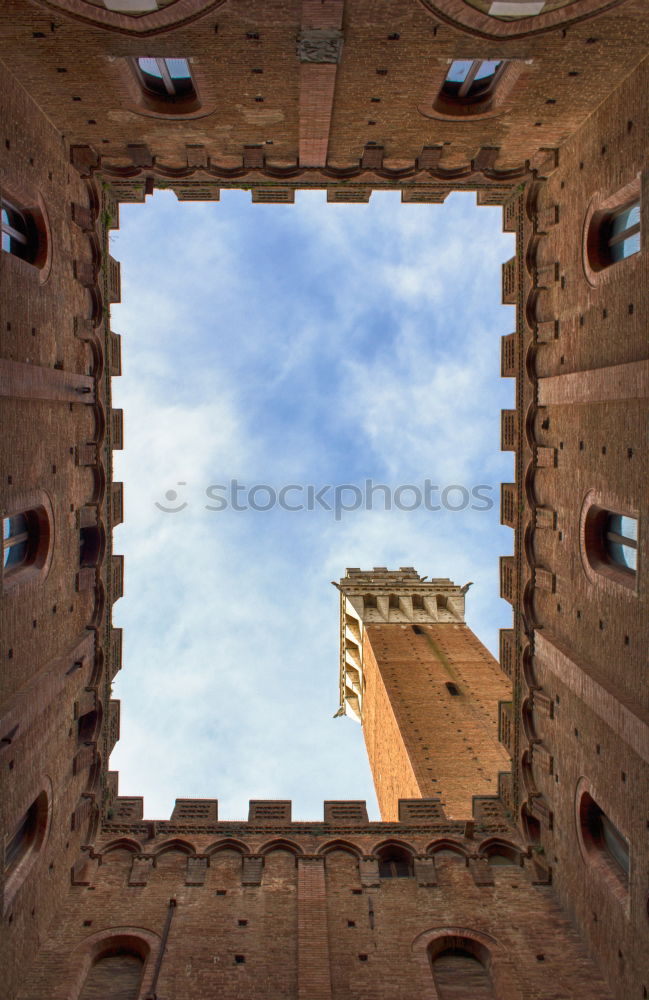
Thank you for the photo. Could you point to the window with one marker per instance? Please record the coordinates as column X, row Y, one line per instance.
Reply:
column 19, row 233
column 471, row 80
column 611, row 544
column 471, row 87
column 90, row 545
column 620, row 234
column 394, row 862
column 458, row 973
column 25, row 544
column 603, row 841
column 167, row 80
column 452, row 689
column 621, row 537
column 20, row 538
column 612, row 231
column 115, row 975
column 27, row 837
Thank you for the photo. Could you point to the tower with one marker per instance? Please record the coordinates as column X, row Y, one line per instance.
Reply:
column 424, row 688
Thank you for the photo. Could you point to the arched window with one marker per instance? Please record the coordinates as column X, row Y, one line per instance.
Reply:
column 168, row 82
column 19, row 232
column 394, row 862
column 470, row 87
column 460, row 969
column 27, row 837
column 25, row 539
column 620, row 233
column 602, row 839
column 87, row 726
column 471, row 80
column 611, row 543
column 115, row 974
column 612, row 230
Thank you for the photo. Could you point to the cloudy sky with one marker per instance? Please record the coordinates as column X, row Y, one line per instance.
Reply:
column 305, row 345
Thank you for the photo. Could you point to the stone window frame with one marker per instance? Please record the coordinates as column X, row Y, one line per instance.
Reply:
column 37, row 506
column 593, row 849
column 33, row 828
column 602, row 208
column 496, row 100
column 601, row 570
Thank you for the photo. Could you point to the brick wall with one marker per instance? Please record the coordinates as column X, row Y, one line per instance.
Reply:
column 422, row 739
column 313, row 926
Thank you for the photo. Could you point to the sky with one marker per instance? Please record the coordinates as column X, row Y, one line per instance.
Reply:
column 310, row 346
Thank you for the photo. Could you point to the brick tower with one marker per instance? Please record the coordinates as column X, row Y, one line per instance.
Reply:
column 424, row 688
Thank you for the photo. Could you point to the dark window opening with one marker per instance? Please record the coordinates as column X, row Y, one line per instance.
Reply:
column 602, row 836
column 87, row 726
column 394, row 862
column 28, row 835
column 114, row 976
column 458, row 972
column 452, row 689
column 89, row 545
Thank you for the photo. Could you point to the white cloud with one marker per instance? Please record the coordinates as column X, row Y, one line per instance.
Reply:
column 331, row 343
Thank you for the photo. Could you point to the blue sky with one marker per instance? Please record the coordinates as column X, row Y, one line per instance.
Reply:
column 305, row 344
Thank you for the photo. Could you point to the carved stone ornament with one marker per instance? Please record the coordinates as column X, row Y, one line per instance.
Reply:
column 320, row 45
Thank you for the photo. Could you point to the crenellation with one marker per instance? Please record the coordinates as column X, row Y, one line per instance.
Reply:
column 513, row 795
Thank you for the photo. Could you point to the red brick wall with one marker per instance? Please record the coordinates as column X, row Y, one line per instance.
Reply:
column 421, row 739
column 351, row 938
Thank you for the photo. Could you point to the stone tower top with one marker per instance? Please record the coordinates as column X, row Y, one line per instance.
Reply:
column 381, row 596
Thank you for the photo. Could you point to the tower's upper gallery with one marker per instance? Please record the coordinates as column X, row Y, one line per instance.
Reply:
column 387, row 597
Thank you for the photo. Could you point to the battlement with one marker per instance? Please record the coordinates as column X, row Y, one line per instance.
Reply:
column 381, row 596
column 195, row 817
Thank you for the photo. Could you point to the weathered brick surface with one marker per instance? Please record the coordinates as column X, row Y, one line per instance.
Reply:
column 51, row 660
column 586, row 352
column 318, row 934
column 423, row 741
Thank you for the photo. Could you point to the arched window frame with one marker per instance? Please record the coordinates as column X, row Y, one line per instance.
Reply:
column 29, row 525
column 605, row 231
column 25, row 841
column 25, row 231
column 603, row 846
column 394, row 862
column 166, row 95
column 18, row 233
column 600, row 540
column 471, row 98
column 136, row 939
column 477, row 79
column 466, row 947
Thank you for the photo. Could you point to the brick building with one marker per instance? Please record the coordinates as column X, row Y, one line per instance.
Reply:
column 517, row 870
